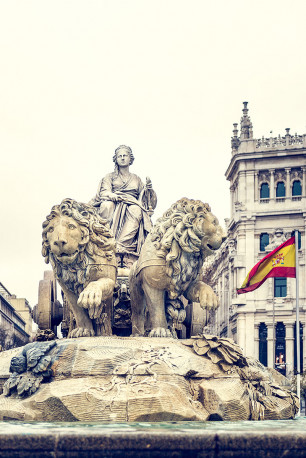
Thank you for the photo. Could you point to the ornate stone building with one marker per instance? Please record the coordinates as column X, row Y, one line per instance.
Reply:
column 15, row 325
column 268, row 202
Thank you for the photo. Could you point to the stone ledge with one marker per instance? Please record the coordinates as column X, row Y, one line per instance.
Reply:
column 217, row 441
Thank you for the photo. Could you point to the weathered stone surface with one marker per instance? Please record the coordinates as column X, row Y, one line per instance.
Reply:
column 143, row 379
column 225, row 399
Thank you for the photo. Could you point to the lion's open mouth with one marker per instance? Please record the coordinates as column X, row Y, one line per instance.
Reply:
column 211, row 247
column 67, row 256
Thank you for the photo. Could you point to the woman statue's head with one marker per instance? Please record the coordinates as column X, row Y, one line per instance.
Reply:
column 127, row 150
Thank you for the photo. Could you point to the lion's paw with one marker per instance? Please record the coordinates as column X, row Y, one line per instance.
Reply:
column 95, row 311
column 81, row 332
column 207, row 297
column 160, row 332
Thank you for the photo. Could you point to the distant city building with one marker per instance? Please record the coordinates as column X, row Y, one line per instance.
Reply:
column 15, row 320
column 268, row 202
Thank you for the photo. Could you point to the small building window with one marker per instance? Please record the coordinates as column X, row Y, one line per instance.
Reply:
column 296, row 188
column 280, row 348
column 299, row 238
column 264, row 241
column 280, row 189
column 280, row 287
column 264, row 191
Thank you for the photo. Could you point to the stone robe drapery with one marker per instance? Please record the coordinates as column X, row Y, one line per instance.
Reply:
column 129, row 218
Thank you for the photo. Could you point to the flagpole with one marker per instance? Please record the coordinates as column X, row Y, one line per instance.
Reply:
column 273, row 302
column 297, row 326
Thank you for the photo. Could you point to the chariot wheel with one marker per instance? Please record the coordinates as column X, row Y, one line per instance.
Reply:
column 48, row 313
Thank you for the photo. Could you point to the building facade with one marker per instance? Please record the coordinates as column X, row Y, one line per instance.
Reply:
column 268, row 202
column 15, row 325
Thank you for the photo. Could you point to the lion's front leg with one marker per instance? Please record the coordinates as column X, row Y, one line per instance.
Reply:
column 155, row 300
column 84, row 326
column 200, row 292
column 94, row 296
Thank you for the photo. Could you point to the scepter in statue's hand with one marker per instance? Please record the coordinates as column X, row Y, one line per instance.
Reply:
column 148, row 187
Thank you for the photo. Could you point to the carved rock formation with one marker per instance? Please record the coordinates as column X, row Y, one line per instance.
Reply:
column 141, row 379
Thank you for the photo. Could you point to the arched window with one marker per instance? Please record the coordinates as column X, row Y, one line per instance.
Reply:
column 299, row 239
column 264, row 191
column 296, row 188
column 264, row 241
column 280, row 189
column 280, row 348
column 263, row 334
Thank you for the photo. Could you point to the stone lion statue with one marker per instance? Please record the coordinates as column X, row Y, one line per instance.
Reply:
column 169, row 264
column 81, row 249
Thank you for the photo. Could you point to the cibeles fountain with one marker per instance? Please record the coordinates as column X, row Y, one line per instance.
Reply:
column 126, row 286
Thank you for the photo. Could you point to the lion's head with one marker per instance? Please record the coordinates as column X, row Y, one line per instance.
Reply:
column 72, row 234
column 185, row 235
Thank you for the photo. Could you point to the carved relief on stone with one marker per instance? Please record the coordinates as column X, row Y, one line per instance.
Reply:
column 232, row 245
column 263, row 142
column 226, row 286
column 232, row 309
column 280, row 175
column 135, row 379
column 29, row 369
column 239, row 206
column 276, row 238
column 122, row 314
column 296, row 174
column 264, row 177
column 296, row 139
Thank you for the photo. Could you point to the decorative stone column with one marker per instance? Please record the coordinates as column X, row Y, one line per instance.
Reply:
column 232, row 189
column 272, row 184
column 232, row 282
column 289, row 349
column 270, row 289
column 288, row 188
column 304, row 182
column 256, row 186
column 271, row 356
column 242, row 186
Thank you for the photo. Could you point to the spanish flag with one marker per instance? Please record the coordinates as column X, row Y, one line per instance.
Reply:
column 279, row 263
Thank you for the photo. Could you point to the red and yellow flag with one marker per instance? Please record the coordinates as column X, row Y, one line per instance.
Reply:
column 279, row 263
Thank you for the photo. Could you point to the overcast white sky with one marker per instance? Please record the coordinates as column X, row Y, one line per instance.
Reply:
column 166, row 77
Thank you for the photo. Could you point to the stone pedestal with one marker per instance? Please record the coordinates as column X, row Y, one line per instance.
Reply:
column 118, row 379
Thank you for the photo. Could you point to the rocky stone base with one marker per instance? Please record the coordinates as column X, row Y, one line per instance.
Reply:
column 119, row 379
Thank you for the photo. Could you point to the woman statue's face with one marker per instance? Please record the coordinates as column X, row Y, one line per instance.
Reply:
column 123, row 158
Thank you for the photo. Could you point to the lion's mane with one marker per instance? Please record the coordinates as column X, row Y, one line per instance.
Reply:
column 177, row 236
column 97, row 239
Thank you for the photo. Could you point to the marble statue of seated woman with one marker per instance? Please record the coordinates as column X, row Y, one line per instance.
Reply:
column 126, row 203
